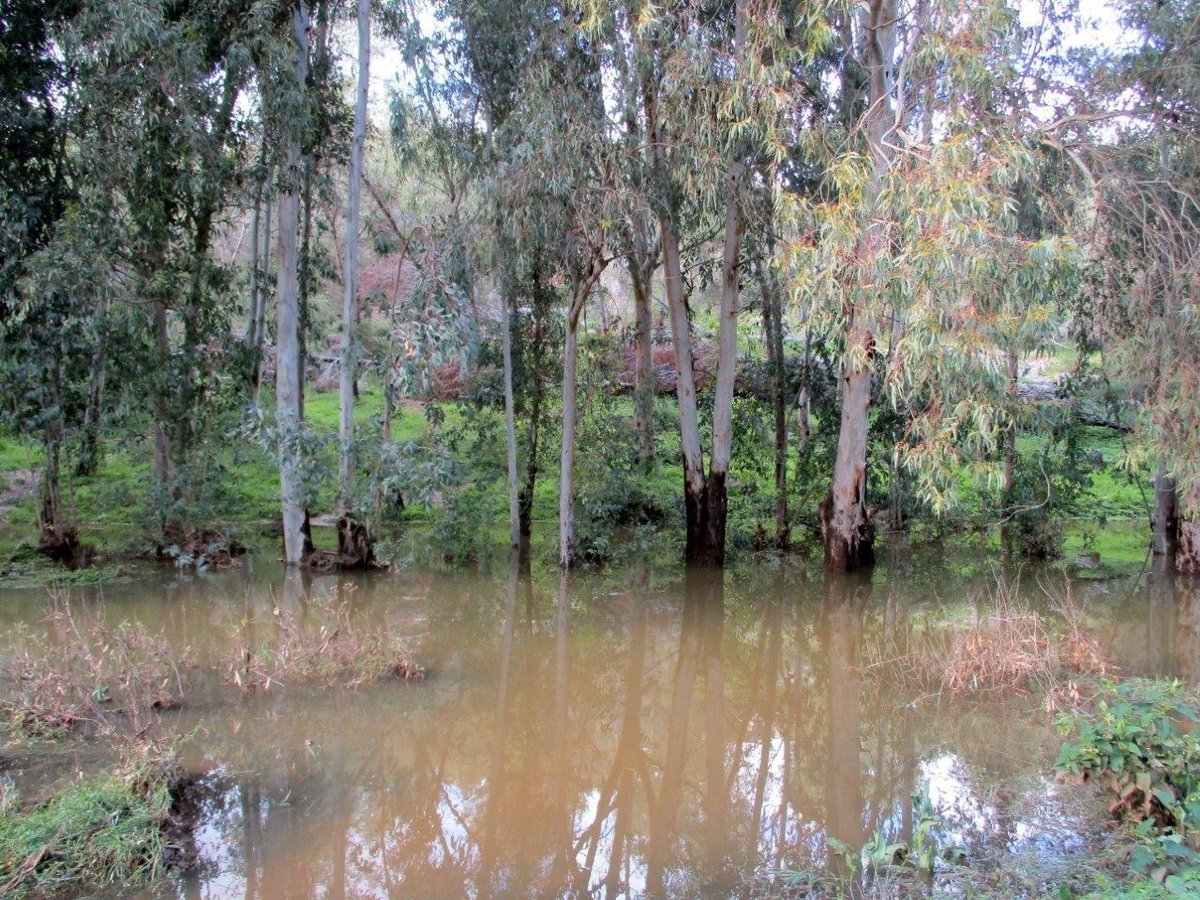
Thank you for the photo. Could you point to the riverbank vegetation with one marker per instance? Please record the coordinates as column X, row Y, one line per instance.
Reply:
column 721, row 277
column 416, row 283
column 112, row 830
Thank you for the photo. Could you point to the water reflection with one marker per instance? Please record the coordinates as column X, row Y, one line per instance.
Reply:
column 659, row 752
column 610, row 737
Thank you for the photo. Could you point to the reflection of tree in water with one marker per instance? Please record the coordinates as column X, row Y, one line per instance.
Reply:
column 841, row 620
column 581, row 740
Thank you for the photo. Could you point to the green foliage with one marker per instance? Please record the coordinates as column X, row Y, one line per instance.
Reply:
column 474, row 499
column 1050, row 484
column 1183, row 883
column 1140, row 746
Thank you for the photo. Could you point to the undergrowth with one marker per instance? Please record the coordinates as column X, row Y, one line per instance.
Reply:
column 80, row 671
column 99, row 830
column 1009, row 648
column 1137, row 742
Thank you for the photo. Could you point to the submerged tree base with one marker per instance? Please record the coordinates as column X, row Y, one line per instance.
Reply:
column 63, row 545
column 205, row 548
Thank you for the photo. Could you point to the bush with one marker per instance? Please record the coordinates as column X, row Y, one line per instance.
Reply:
column 328, row 649
column 1138, row 744
column 102, row 677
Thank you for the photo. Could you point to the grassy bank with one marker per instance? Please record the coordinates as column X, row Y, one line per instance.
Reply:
column 112, row 829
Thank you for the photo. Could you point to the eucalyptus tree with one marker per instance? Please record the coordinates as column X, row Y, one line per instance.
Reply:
column 288, row 369
column 870, row 45
column 35, row 191
column 712, row 84
column 489, row 45
column 348, row 369
column 890, row 252
column 149, row 142
column 560, row 179
column 637, row 222
column 1135, row 136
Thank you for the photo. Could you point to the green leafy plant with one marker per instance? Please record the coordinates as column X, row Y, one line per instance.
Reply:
column 1138, row 744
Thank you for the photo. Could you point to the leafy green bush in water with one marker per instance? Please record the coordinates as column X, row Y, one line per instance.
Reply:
column 1140, row 746
column 101, row 830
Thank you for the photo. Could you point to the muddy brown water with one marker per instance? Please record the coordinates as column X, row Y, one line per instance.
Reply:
column 627, row 734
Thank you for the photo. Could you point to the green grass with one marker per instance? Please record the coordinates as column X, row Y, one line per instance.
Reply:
column 17, row 454
column 98, row 831
column 241, row 482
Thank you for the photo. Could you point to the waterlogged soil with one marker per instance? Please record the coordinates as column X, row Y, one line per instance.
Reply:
column 627, row 734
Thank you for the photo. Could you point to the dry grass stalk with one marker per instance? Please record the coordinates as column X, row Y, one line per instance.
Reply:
column 1006, row 652
column 1012, row 649
column 83, row 672
column 330, row 650
column 1078, row 651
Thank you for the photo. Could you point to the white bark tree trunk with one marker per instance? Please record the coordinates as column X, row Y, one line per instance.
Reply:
column 716, row 494
column 287, row 324
column 566, row 478
column 643, row 390
column 510, row 429
column 350, row 297
column 685, row 387
column 845, row 521
column 263, row 271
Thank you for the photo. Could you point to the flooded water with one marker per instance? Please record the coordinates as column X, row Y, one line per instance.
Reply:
column 630, row 734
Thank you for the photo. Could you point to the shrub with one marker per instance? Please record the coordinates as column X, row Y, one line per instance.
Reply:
column 86, row 672
column 1138, row 744
column 329, row 649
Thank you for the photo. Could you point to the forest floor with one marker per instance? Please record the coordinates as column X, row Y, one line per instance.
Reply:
column 241, row 491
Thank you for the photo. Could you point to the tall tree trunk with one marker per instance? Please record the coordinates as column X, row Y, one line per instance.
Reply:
column 643, row 390
column 525, row 499
column 349, row 359
column 263, row 273
column 255, row 273
column 845, row 522
column 1007, row 500
column 204, row 215
column 287, row 324
column 641, row 261
column 773, row 329
column 705, row 499
column 89, row 452
column 695, row 500
column 1010, row 434
column 164, row 467
column 316, row 45
column 716, row 496
column 566, row 479
column 510, row 428
column 566, row 482
column 57, row 537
